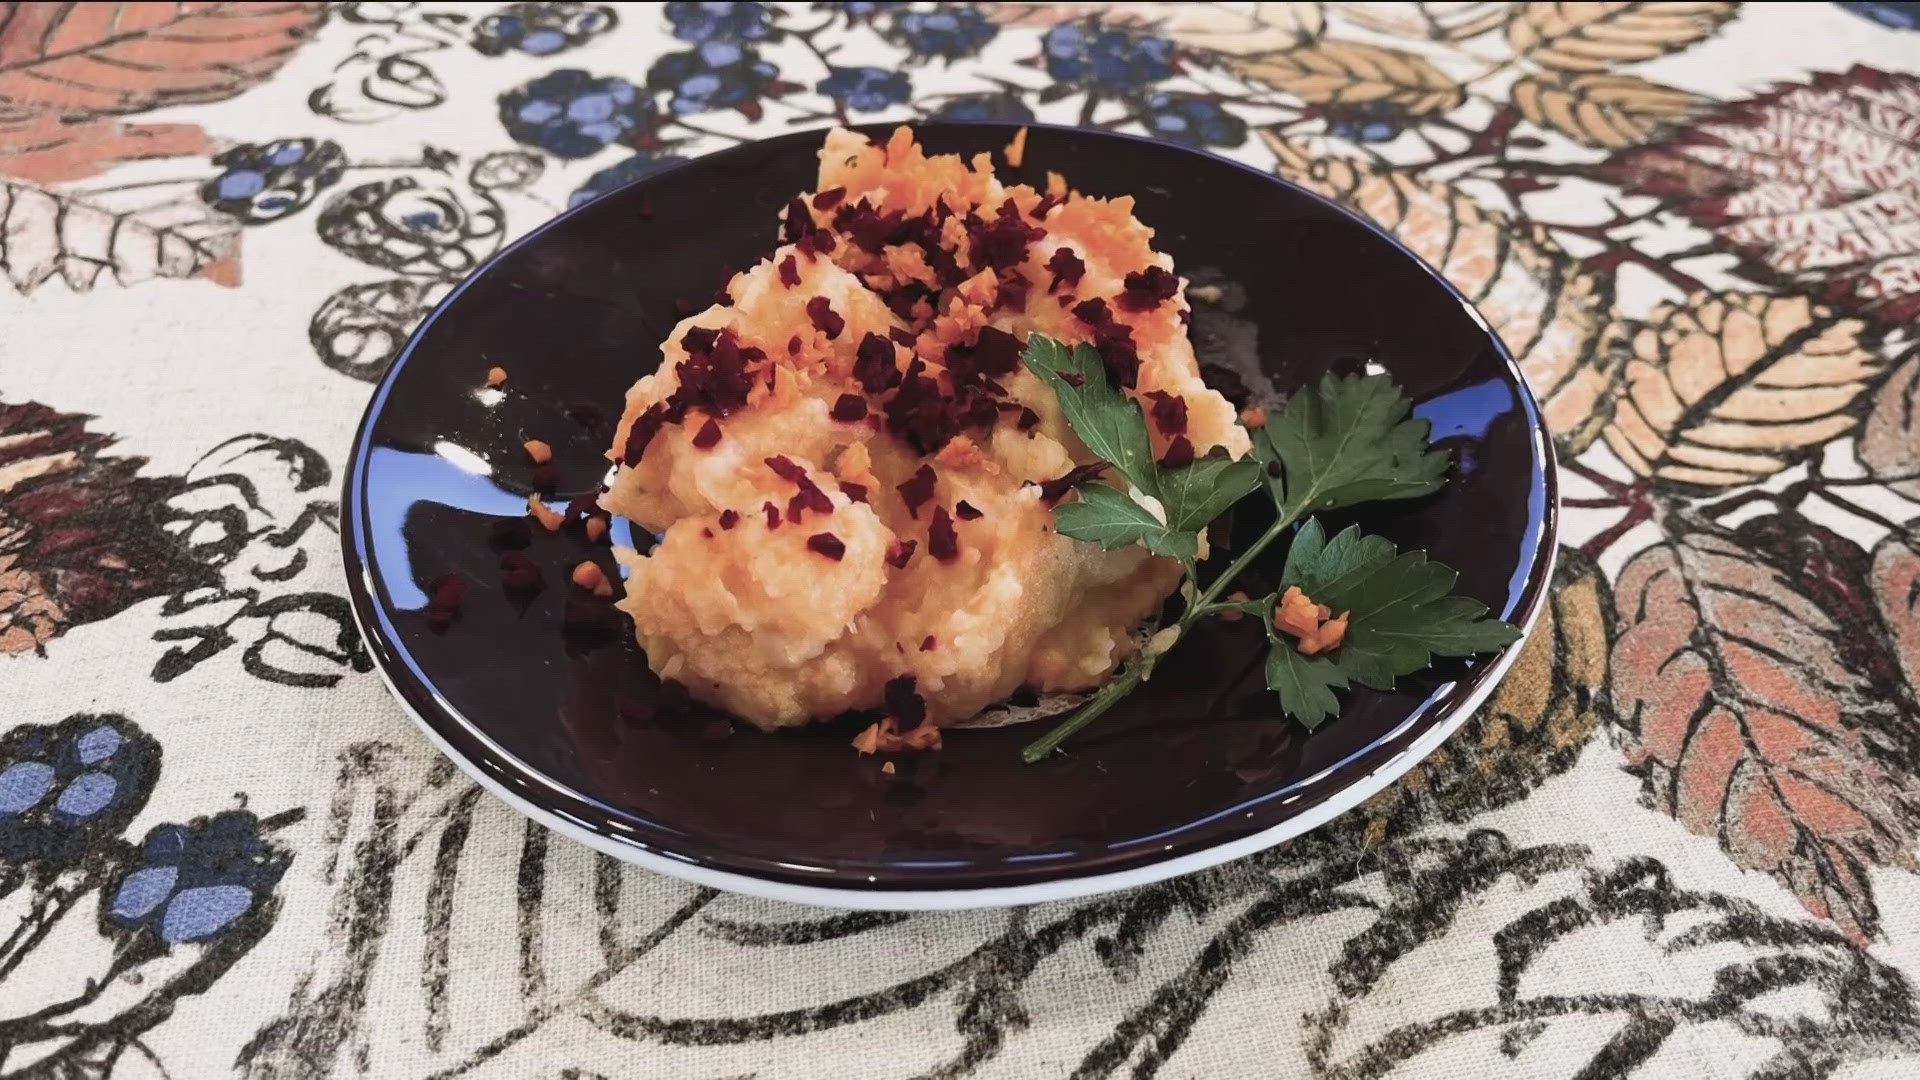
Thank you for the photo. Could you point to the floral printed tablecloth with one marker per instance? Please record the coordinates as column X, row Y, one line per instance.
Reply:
column 1679, row 842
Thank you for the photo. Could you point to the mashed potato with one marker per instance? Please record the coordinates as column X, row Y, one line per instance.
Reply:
column 852, row 470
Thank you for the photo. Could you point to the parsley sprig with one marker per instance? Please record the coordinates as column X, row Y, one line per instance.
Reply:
column 1345, row 441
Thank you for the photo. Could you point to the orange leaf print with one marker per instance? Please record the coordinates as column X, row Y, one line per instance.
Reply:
column 1752, row 716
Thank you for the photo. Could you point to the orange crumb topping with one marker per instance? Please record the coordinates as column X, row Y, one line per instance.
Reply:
column 496, row 376
column 1017, row 149
column 589, row 576
column 549, row 518
column 537, row 452
column 1254, row 416
column 1309, row 622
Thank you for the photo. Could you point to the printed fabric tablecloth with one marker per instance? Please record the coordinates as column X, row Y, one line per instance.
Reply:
column 1680, row 841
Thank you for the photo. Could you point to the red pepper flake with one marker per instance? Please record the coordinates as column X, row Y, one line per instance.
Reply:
column 521, row 574
column 1045, row 206
column 1052, row 491
column 1148, row 289
column 1169, row 412
column 798, row 222
column 901, row 336
column 828, row 199
column 790, row 272
column 728, row 519
column 816, row 243
column 510, row 533
column 996, row 352
column 1093, row 312
column 826, row 544
column 1118, row 353
column 1179, row 453
column 943, row 542
column 966, row 511
column 899, row 552
column 581, row 507
column 1012, row 295
column 1001, row 243
column 706, row 534
column 786, row 469
column 1073, row 379
column 820, row 312
column 1028, row 419
column 645, row 427
column 443, row 604
column 927, row 643
column 873, row 364
column 927, row 418
column 917, row 490
column 1067, row 269
column 773, row 516
column 793, row 346
column 809, row 497
column 904, row 702
column 708, row 436
column 856, row 492
column 699, row 339
column 849, row 408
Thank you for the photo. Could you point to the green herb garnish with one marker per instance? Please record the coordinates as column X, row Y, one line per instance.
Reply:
column 1345, row 441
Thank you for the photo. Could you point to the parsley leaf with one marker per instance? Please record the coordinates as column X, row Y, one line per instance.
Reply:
column 1400, row 613
column 1112, row 519
column 1305, row 683
column 1108, row 421
column 1196, row 494
column 1349, row 440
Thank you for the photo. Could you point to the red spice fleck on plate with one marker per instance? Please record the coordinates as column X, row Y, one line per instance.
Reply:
column 849, row 407
column 917, row 490
column 966, row 511
column 1179, row 453
column 728, row 519
column 826, row 544
column 829, row 322
column 521, row 574
column 443, row 603
column 943, row 542
column 708, row 436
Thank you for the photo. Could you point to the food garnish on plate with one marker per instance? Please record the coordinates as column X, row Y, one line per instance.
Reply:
column 949, row 440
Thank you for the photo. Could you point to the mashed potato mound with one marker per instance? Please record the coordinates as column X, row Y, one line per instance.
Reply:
column 853, row 472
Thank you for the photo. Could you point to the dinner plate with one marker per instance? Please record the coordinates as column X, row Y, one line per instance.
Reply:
column 547, row 701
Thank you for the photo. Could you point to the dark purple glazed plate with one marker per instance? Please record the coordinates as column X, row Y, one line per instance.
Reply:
column 1198, row 767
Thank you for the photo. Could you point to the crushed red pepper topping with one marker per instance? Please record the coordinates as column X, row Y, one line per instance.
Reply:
column 856, row 492
column 1179, row 453
column 828, row 199
column 826, row 544
column 728, row 519
column 829, row 322
column 1052, row 491
column 1093, row 312
column 1148, row 289
column 917, row 490
column 1169, row 412
column 708, row 436
column 899, row 552
column 773, row 515
column 943, row 542
column 848, row 408
column 790, row 272
column 1067, row 269
column 966, row 511
column 873, row 364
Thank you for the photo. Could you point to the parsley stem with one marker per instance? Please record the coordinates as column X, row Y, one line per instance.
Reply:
column 1123, row 684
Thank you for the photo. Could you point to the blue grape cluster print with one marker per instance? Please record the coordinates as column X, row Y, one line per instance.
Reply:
column 541, row 29
column 202, row 892
column 1373, row 122
column 571, row 114
column 1106, row 61
column 701, row 23
column 1006, row 108
column 948, row 32
column 619, row 175
column 716, row 75
column 1192, row 120
column 262, row 182
column 191, row 882
column 64, row 788
column 866, row 89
